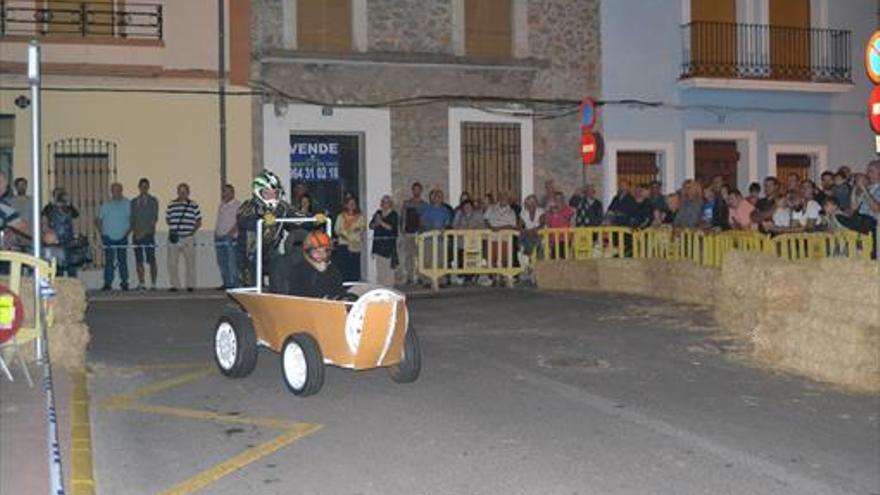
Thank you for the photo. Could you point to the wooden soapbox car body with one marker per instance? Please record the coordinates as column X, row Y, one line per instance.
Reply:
column 371, row 330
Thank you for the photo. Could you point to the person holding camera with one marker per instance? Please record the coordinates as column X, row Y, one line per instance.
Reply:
column 114, row 223
column 58, row 217
column 184, row 219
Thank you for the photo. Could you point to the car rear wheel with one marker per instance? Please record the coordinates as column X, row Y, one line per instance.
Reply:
column 407, row 370
column 235, row 344
column 302, row 365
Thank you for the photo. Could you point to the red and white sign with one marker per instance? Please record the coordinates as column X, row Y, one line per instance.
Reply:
column 874, row 109
column 589, row 148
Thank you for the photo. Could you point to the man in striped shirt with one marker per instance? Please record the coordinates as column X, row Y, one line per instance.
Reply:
column 184, row 218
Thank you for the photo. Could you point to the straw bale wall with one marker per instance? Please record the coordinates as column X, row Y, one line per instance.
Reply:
column 817, row 318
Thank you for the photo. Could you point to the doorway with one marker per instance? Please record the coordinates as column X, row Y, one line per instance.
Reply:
column 328, row 165
column 712, row 158
column 790, row 39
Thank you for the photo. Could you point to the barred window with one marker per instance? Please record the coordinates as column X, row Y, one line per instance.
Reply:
column 637, row 167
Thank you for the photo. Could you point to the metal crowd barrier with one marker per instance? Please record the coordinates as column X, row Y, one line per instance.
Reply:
column 468, row 252
column 704, row 248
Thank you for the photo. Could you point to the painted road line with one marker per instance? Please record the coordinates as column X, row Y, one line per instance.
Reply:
column 292, row 431
column 154, row 388
column 82, row 479
column 199, row 414
column 247, row 457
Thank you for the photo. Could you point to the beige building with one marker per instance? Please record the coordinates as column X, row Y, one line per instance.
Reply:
column 130, row 91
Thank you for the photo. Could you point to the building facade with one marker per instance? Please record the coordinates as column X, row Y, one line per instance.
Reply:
column 129, row 91
column 739, row 88
column 474, row 96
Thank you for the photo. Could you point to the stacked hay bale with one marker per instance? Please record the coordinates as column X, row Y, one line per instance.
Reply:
column 819, row 318
column 567, row 275
column 68, row 335
column 681, row 282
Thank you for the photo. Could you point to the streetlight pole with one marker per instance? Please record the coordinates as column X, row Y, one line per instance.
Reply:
column 221, row 82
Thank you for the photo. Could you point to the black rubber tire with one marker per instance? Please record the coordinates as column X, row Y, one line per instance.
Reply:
column 245, row 339
column 407, row 370
column 314, row 365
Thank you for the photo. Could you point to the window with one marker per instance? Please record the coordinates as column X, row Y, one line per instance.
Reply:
column 65, row 17
column 85, row 168
column 490, row 156
column 7, row 141
column 639, row 168
column 323, row 25
column 488, row 31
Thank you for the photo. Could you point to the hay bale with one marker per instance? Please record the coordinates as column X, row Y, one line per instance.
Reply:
column 567, row 275
column 627, row 276
column 68, row 344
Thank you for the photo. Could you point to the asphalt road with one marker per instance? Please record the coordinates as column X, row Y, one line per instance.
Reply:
column 521, row 393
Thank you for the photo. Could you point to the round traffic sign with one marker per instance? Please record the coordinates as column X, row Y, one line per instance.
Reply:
column 874, row 109
column 588, row 113
column 872, row 58
column 11, row 313
column 589, row 148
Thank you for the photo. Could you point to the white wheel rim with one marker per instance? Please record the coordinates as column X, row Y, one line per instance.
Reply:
column 225, row 345
column 295, row 366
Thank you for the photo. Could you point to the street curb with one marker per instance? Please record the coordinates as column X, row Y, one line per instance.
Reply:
column 82, row 479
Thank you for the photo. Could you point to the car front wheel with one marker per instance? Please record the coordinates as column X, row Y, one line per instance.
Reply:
column 235, row 344
column 302, row 365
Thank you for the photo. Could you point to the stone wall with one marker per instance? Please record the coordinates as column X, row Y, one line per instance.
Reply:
column 406, row 26
column 412, row 42
column 566, row 34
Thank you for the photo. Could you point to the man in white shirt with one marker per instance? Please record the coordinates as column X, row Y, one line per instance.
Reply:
column 225, row 235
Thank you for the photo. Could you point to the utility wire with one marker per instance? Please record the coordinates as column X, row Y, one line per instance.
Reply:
column 538, row 108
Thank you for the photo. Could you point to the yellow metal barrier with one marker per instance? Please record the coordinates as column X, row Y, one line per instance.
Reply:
column 31, row 329
column 468, row 252
column 703, row 248
column 584, row 243
column 842, row 244
column 739, row 240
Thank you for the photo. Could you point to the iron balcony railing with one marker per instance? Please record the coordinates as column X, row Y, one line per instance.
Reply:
column 82, row 19
column 752, row 51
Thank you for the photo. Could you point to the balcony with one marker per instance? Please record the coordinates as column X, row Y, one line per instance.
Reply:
column 751, row 56
column 87, row 21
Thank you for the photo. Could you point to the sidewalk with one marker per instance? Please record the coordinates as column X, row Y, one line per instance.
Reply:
column 24, row 462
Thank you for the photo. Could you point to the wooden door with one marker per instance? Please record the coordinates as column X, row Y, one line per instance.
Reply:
column 713, row 38
column 713, row 158
column 323, row 25
column 488, row 28
column 639, row 168
column 791, row 164
column 790, row 39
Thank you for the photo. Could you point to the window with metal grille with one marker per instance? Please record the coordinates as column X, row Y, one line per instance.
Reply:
column 323, row 25
column 488, row 28
column 638, row 167
column 490, row 157
column 85, row 168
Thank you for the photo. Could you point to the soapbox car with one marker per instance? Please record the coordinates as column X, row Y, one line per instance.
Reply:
column 369, row 329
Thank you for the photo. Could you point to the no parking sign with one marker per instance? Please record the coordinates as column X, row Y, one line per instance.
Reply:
column 11, row 313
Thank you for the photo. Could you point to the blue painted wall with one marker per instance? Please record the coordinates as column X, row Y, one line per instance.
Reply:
column 642, row 57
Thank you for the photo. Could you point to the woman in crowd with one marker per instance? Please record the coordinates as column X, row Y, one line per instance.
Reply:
column 384, row 225
column 349, row 230
column 532, row 221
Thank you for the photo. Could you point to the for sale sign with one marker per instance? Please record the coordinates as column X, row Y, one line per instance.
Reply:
column 313, row 161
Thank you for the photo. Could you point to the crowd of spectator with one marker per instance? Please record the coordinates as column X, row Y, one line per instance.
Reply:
column 842, row 200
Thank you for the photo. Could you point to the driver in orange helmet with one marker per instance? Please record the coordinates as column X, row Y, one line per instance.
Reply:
column 316, row 276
